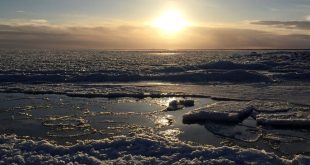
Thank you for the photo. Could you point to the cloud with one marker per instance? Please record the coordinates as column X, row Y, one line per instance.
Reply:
column 39, row 21
column 40, row 34
column 302, row 25
column 22, row 22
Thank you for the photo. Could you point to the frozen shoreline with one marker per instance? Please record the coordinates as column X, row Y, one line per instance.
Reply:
column 109, row 107
column 138, row 149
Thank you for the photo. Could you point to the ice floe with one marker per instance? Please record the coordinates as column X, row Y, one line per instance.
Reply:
column 237, row 132
column 221, row 111
column 272, row 113
column 270, row 106
column 67, row 126
column 293, row 119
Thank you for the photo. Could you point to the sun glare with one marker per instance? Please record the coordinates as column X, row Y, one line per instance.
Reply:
column 170, row 22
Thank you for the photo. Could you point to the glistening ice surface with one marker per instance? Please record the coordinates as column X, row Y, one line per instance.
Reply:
column 104, row 107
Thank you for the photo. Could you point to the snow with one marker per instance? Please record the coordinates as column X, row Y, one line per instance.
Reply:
column 265, row 75
column 138, row 149
column 221, row 111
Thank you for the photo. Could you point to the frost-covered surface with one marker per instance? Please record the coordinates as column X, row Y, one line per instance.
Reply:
column 222, row 111
column 295, row 119
column 279, row 113
column 270, row 106
column 269, row 113
column 72, row 95
column 75, row 66
column 131, row 150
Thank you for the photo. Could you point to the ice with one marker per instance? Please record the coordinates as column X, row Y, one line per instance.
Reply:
column 279, row 113
column 83, row 88
column 64, row 121
column 232, row 76
column 270, row 106
column 163, row 121
column 171, row 134
column 293, row 119
column 260, row 106
column 229, row 65
column 67, row 126
column 221, row 111
column 63, row 66
column 294, row 76
column 236, row 132
column 179, row 104
column 138, row 149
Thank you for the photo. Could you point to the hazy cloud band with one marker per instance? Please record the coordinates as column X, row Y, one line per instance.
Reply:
column 143, row 37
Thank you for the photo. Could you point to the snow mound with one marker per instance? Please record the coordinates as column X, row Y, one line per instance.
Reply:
column 221, row 111
column 293, row 119
column 131, row 150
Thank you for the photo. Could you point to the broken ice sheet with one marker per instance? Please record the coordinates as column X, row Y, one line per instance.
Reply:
column 292, row 119
column 230, row 111
column 288, row 141
column 171, row 134
column 163, row 121
column 237, row 132
column 270, row 106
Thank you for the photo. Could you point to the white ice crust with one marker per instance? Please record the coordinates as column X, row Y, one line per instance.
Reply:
column 221, row 111
column 142, row 149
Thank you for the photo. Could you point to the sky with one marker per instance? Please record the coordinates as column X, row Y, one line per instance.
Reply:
column 155, row 24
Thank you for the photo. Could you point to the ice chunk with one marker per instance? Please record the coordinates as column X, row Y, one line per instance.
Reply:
column 179, row 104
column 222, row 111
column 174, row 105
column 65, row 121
column 67, row 126
column 293, row 119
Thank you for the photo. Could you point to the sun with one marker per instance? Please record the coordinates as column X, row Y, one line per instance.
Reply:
column 171, row 22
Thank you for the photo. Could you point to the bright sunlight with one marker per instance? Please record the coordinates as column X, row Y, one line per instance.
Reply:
column 171, row 22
